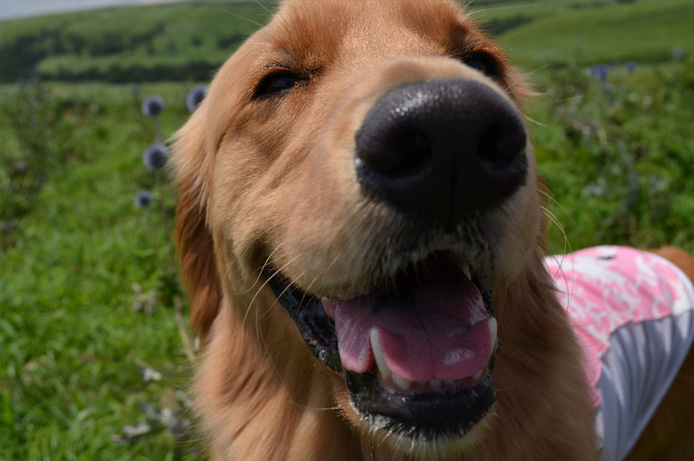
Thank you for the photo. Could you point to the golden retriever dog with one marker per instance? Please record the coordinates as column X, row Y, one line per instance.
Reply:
column 360, row 228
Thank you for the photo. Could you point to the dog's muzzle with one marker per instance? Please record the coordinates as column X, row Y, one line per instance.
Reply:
column 416, row 347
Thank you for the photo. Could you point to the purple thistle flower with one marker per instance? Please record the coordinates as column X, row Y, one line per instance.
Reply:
column 600, row 71
column 152, row 106
column 156, row 156
column 678, row 54
column 630, row 66
column 195, row 97
column 143, row 199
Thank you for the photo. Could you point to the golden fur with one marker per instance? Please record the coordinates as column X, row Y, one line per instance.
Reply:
column 271, row 181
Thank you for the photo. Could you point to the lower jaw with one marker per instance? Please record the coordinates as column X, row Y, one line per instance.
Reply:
column 421, row 416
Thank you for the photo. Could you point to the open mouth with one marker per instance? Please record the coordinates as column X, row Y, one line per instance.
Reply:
column 416, row 350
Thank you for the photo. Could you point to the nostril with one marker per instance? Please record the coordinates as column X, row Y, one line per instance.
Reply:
column 501, row 143
column 396, row 154
column 415, row 153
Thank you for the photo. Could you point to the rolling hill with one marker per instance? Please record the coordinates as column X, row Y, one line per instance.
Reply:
column 188, row 41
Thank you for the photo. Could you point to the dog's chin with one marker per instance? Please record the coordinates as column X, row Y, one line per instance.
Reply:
column 416, row 350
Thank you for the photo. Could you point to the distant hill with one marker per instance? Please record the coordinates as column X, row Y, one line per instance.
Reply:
column 188, row 41
column 646, row 31
column 185, row 41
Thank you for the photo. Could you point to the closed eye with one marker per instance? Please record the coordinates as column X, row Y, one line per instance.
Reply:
column 277, row 83
column 482, row 62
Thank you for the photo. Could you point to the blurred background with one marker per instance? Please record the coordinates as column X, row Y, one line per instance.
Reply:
column 95, row 352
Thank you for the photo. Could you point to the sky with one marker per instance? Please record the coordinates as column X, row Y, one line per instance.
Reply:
column 10, row 9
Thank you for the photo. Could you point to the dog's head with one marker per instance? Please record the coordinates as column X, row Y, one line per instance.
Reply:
column 362, row 168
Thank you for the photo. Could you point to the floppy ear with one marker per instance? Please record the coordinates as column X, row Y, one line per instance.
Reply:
column 192, row 164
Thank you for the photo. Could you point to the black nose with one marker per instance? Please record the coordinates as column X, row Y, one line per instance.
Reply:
column 442, row 148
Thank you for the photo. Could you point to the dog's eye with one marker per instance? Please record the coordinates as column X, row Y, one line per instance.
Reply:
column 483, row 63
column 276, row 82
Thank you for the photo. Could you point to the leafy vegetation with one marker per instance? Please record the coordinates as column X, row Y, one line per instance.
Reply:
column 615, row 150
column 88, row 326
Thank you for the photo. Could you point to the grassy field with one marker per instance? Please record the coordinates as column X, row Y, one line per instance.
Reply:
column 186, row 41
column 643, row 32
column 82, row 311
column 177, row 41
column 88, row 329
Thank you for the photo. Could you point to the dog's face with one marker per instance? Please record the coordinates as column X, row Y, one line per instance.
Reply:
column 364, row 171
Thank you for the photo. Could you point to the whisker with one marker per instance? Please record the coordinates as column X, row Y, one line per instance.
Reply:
column 241, row 17
column 532, row 120
column 260, row 270
column 306, row 407
column 263, row 7
column 476, row 12
column 288, row 287
column 277, row 272
column 531, row 72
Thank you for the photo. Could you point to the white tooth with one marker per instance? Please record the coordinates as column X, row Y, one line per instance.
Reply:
column 378, row 354
column 491, row 324
column 449, row 382
column 401, row 382
column 435, row 383
column 466, row 271
column 329, row 306
column 477, row 376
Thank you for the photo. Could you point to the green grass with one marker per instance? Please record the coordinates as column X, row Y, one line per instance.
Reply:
column 619, row 162
column 644, row 32
column 72, row 345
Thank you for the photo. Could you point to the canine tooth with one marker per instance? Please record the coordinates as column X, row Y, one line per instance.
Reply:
column 401, row 382
column 435, row 383
column 466, row 271
column 378, row 353
column 492, row 325
column 329, row 306
column 477, row 376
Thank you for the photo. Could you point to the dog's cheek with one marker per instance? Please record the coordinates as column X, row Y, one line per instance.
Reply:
column 515, row 226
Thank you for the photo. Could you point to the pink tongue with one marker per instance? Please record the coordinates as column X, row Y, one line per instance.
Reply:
column 438, row 331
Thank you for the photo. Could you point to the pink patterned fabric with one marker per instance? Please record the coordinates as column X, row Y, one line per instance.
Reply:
column 607, row 287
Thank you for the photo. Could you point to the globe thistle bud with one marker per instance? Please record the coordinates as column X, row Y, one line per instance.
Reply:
column 152, row 106
column 195, row 97
column 156, row 156
column 678, row 54
column 143, row 199
column 600, row 71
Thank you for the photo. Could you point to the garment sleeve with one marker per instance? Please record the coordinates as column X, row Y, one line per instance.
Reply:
column 638, row 368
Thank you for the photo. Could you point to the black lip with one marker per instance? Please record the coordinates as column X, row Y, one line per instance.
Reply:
column 421, row 416
column 317, row 329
